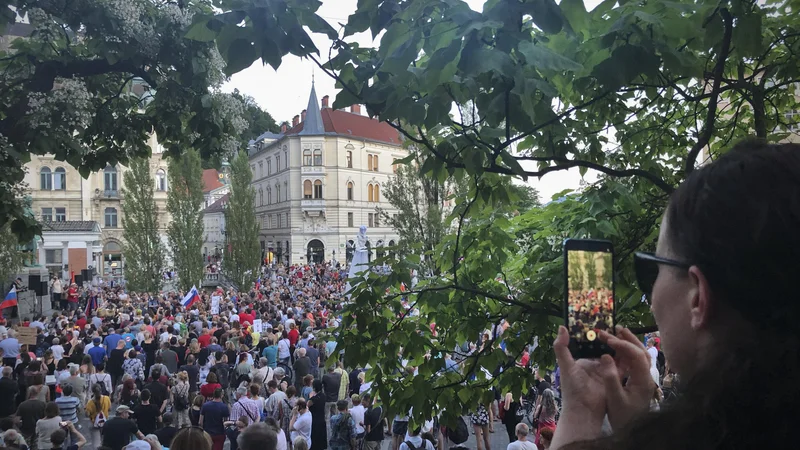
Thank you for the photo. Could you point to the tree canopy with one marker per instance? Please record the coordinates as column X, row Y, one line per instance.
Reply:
column 90, row 80
column 639, row 91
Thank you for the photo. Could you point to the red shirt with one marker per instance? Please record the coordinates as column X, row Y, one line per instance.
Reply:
column 207, row 390
column 72, row 295
column 294, row 335
column 81, row 323
column 204, row 340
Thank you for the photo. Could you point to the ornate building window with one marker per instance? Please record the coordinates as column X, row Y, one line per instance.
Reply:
column 45, row 179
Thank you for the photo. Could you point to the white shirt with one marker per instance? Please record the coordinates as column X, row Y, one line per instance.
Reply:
column 653, row 356
column 416, row 441
column 165, row 337
column 358, row 417
column 522, row 445
column 281, row 441
column 302, row 428
column 37, row 324
column 58, row 352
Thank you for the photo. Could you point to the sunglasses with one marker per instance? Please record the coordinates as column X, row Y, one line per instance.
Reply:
column 646, row 267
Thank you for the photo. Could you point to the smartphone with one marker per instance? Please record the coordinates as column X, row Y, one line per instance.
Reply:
column 589, row 295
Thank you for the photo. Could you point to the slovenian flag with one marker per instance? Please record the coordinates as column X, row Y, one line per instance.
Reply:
column 191, row 298
column 11, row 299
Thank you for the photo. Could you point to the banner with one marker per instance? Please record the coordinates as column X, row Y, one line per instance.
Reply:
column 215, row 304
column 257, row 327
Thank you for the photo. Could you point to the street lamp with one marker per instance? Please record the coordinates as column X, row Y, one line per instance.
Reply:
column 334, row 256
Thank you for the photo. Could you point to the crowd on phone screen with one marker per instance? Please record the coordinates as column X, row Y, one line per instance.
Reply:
column 590, row 309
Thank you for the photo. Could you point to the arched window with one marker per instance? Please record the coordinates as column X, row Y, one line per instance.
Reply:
column 285, row 159
column 277, row 193
column 317, row 156
column 318, row 189
column 269, row 195
column 286, row 191
column 278, row 163
column 374, row 163
column 161, row 180
column 349, row 190
column 370, row 193
column 308, row 189
column 111, row 217
column 307, row 157
column 260, row 197
column 60, row 179
column 369, row 162
column 349, row 159
column 377, row 193
column 110, row 178
column 46, row 179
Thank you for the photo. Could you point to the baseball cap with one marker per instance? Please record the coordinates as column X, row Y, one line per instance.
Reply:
column 122, row 409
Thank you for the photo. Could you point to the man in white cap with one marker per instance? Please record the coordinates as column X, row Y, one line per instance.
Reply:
column 117, row 431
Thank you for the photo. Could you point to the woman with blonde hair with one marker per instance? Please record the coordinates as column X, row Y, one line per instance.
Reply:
column 300, row 443
column 191, row 438
column 179, row 398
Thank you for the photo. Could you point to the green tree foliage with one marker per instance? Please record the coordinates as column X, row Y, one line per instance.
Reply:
column 144, row 251
column 242, row 255
column 639, row 91
column 259, row 120
column 185, row 205
column 11, row 257
column 422, row 212
column 96, row 77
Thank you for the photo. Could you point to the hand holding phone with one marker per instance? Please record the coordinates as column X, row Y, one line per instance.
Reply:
column 589, row 295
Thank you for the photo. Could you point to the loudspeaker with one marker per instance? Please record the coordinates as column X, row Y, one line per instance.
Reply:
column 34, row 283
column 86, row 274
column 43, row 289
column 79, row 280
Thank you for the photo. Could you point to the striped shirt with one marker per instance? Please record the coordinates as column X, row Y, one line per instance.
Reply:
column 68, row 408
column 247, row 408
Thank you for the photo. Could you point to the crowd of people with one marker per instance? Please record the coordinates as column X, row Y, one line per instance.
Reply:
column 115, row 369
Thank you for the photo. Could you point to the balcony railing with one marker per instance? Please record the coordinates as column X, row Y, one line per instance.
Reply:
column 111, row 193
column 312, row 170
column 313, row 204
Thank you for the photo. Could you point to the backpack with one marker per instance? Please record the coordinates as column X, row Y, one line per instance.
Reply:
column 460, row 433
column 100, row 419
column 421, row 447
column 102, row 384
column 181, row 402
column 342, row 433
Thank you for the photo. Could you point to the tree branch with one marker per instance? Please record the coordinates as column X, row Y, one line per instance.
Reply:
column 711, row 115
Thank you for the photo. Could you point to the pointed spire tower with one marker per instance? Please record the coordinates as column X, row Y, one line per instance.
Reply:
column 313, row 123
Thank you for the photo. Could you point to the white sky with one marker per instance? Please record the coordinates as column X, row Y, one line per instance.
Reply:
column 284, row 93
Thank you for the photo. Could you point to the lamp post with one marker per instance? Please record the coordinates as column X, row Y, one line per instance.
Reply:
column 334, row 256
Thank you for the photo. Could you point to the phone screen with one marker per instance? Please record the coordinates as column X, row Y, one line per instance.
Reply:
column 590, row 293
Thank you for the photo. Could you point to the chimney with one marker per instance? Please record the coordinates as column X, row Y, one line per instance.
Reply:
column 295, row 120
column 356, row 109
column 284, row 126
column 303, row 116
column 325, row 101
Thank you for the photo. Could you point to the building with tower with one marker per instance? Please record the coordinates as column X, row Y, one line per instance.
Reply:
column 319, row 180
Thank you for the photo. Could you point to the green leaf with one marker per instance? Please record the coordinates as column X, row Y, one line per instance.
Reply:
column 204, row 31
column 545, row 14
column 544, row 58
column 443, row 64
column 575, row 12
column 240, row 55
column 747, row 35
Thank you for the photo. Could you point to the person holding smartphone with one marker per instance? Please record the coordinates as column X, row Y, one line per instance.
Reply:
column 722, row 286
column 59, row 437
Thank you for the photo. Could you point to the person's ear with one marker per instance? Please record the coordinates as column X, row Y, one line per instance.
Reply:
column 700, row 299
